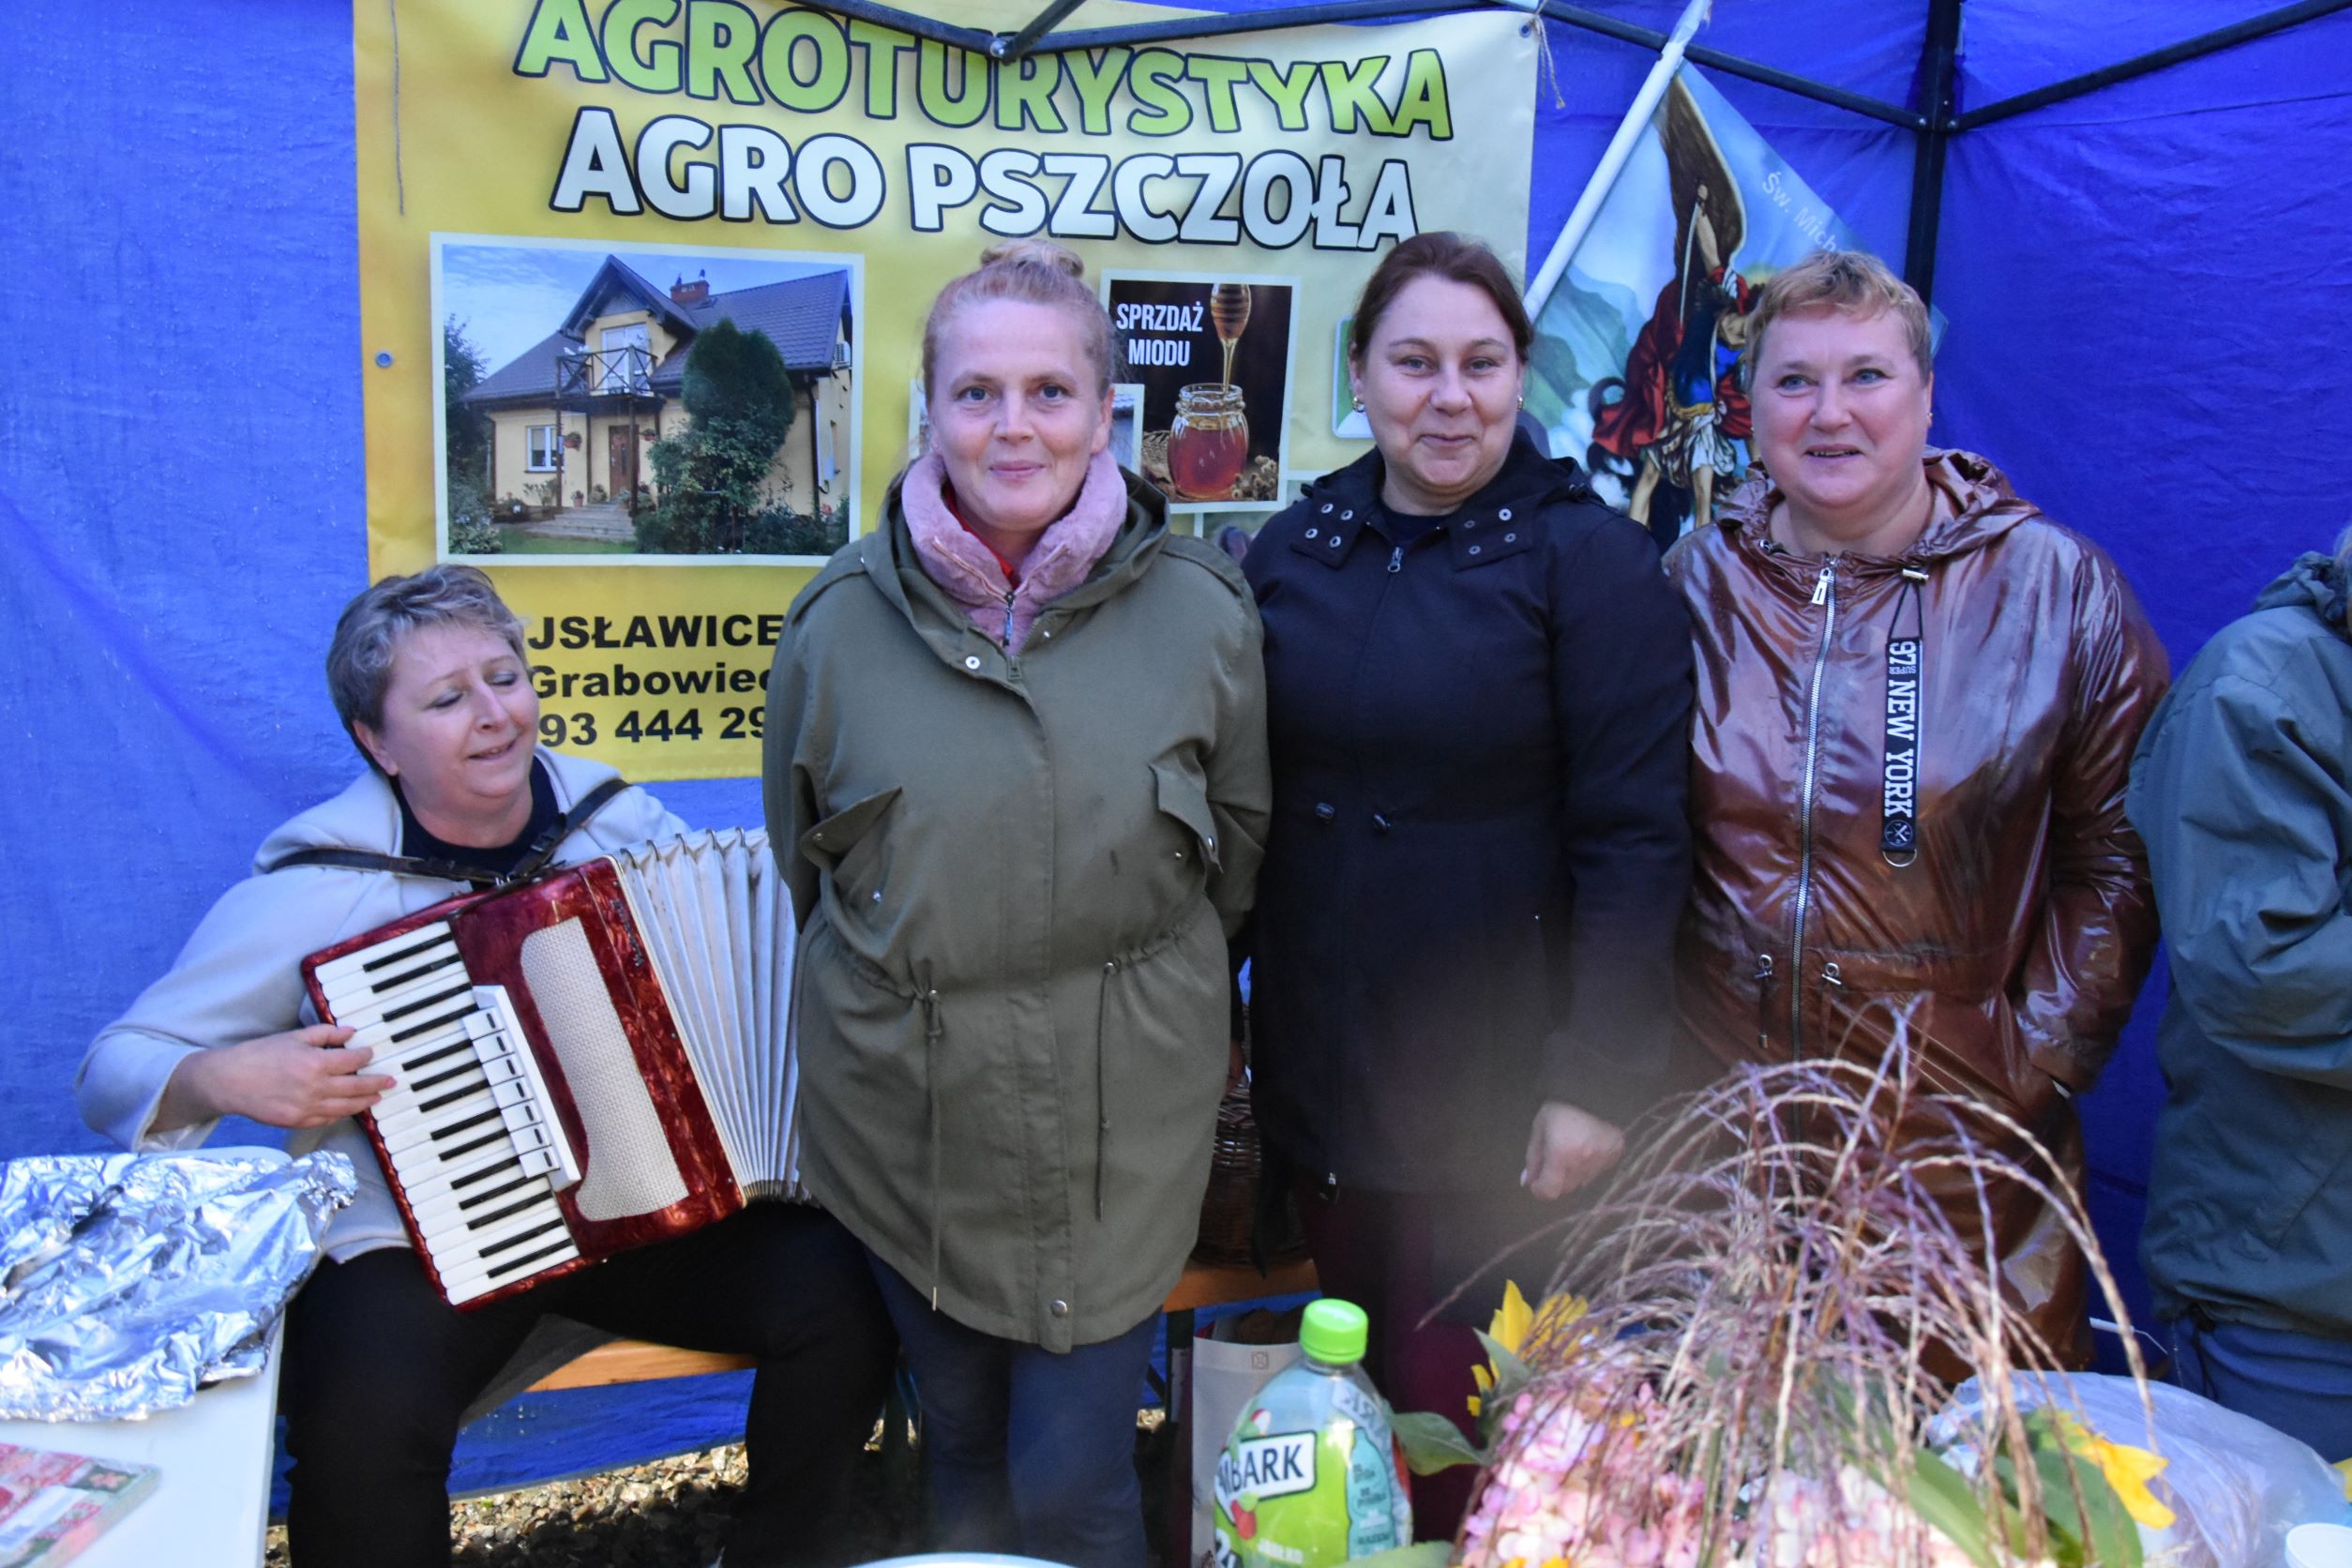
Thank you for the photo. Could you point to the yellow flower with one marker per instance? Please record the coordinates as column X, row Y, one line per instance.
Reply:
column 1509, row 1328
column 1516, row 1325
column 2127, row 1471
column 1557, row 1313
column 1511, row 1320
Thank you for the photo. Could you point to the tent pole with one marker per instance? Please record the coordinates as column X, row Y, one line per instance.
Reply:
column 1730, row 64
column 1208, row 25
column 909, row 22
column 1803, row 87
column 1012, row 47
column 2156, row 59
column 1203, row 26
column 1621, row 147
column 1939, row 59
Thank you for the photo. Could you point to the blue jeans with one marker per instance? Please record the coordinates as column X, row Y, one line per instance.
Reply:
column 1029, row 1452
column 2301, row 1383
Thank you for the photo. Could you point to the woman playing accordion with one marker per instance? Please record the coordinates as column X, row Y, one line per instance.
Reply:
column 429, row 677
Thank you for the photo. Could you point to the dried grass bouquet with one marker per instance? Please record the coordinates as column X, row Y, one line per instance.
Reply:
column 1742, row 1382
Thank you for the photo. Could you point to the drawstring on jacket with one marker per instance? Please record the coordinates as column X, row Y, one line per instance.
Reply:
column 932, row 1030
column 1102, row 1095
column 924, row 994
column 1763, row 1006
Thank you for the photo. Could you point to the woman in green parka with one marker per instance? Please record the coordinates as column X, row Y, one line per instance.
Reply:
column 1016, row 772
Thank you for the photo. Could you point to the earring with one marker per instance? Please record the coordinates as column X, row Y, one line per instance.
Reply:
column 1357, row 403
column 1523, row 399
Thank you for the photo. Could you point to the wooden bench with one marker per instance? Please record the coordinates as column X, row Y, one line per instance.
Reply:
column 634, row 1361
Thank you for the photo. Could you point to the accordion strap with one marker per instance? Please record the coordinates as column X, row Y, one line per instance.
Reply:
column 535, row 859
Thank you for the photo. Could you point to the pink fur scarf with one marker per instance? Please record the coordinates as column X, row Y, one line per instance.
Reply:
column 968, row 569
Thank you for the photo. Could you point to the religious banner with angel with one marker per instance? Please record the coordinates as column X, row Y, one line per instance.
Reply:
column 1635, row 369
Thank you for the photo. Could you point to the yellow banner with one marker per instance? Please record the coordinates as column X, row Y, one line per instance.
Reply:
column 580, row 221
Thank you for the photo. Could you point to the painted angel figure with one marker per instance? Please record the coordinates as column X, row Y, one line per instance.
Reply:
column 1678, row 415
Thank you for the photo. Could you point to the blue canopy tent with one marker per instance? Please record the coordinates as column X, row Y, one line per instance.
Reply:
column 2143, row 283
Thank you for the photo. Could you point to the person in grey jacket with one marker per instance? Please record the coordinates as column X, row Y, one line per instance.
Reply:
column 2242, row 789
column 429, row 675
column 1017, row 779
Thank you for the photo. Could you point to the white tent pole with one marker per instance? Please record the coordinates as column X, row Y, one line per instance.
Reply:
column 1629, row 132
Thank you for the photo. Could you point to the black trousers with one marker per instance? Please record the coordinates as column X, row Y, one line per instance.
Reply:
column 378, row 1369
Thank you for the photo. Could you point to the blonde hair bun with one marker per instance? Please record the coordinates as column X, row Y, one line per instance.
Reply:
column 1034, row 252
column 1036, row 272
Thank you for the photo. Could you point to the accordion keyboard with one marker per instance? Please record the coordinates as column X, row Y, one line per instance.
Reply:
column 476, row 1152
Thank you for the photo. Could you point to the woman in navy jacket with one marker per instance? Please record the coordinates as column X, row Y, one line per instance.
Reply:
column 1479, row 689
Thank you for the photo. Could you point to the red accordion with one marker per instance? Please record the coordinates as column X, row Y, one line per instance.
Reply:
column 582, row 1064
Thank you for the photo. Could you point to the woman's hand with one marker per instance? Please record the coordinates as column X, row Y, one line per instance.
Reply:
column 300, row 1078
column 1567, row 1149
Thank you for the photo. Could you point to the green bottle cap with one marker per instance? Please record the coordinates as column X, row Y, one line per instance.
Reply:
column 1334, row 1332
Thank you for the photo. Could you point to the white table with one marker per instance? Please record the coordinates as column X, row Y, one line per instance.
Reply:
column 212, row 1498
column 211, row 1502
column 210, row 1507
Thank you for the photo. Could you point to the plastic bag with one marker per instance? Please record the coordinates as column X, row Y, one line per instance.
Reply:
column 2236, row 1486
column 1226, row 1373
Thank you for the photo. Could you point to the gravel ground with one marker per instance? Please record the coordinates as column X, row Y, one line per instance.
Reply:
column 671, row 1513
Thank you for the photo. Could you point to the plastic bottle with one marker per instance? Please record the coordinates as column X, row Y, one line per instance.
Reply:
column 2318, row 1545
column 1313, row 1474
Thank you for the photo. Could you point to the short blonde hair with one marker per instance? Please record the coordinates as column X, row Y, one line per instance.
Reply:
column 1852, row 282
column 367, row 634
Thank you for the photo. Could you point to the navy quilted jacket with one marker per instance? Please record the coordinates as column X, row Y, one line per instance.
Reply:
column 1478, row 852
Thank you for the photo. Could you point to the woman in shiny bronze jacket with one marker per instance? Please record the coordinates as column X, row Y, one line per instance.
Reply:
column 1918, row 698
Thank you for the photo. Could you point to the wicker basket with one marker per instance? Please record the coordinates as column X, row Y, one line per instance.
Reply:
column 1230, row 1205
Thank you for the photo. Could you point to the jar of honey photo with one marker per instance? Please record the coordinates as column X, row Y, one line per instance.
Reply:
column 1207, row 446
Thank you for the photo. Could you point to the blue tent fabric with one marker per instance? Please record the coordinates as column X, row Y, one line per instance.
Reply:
column 2147, row 290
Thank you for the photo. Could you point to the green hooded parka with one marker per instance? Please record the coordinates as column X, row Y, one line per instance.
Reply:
column 1016, row 871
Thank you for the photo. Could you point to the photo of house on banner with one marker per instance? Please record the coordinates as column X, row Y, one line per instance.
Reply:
column 601, row 405
column 1212, row 353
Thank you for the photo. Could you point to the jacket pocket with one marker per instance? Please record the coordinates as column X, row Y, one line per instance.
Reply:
column 845, row 844
column 1187, row 799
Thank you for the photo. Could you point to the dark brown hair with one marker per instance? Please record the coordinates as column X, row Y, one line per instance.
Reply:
column 1037, row 272
column 1439, row 253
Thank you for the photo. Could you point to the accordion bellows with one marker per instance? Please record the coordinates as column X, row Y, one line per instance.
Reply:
column 583, row 1063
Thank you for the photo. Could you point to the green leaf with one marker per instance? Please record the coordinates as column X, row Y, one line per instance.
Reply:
column 1942, row 1496
column 2065, row 1543
column 1421, row 1554
column 1433, row 1443
column 2110, row 1538
column 1510, row 1373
